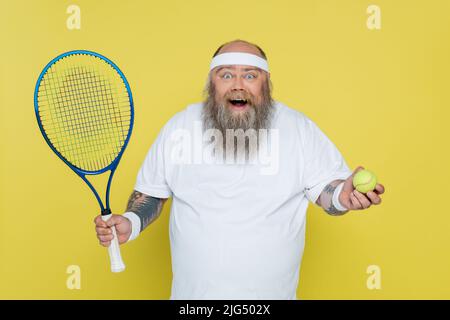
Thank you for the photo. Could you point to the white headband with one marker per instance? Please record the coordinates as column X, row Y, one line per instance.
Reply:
column 239, row 58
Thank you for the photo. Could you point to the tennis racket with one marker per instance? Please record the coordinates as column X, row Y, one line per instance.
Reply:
column 84, row 109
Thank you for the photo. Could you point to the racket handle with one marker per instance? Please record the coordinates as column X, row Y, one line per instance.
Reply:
column 117, row 264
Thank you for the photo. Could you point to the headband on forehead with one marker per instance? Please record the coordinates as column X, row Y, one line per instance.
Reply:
column 239, row 58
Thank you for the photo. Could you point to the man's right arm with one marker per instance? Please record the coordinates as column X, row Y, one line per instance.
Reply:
column 146, row 207
column 141, row 211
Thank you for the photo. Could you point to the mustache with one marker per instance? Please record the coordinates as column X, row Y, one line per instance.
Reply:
column 239, row 95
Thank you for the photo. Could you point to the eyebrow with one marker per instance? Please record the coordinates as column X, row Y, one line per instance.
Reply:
column 233, row 67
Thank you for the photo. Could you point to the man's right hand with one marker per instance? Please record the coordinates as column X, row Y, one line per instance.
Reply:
column 104, row 232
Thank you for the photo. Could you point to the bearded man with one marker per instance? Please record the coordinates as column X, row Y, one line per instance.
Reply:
column 237, row 231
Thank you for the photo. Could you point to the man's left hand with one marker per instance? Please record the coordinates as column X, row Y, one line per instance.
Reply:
column 352, row 199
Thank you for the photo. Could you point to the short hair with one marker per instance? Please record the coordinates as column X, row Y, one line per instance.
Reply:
column 263, row 54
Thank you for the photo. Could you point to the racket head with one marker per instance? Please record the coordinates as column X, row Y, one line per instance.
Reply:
column 84, row 109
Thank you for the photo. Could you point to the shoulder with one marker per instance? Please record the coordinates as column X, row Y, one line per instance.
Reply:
column 185, row 118
column 297, row 121
column 287, row 115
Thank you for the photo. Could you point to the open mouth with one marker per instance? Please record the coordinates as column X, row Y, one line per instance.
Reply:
column 239, row 103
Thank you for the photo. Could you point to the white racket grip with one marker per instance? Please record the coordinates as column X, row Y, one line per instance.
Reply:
column 117, row 264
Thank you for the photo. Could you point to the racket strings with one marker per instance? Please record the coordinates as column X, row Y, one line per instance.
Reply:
column 85, row 115
column 85, row 111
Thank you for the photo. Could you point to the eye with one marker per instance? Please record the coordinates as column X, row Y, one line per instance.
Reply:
column 250, row 76
column 227, row 75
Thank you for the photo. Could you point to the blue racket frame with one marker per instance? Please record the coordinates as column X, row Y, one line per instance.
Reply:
column 105, row 209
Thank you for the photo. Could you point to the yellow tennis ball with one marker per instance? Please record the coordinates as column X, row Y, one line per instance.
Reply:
column 364, row 181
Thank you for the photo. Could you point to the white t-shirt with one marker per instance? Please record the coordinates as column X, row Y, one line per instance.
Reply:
column 237, row 231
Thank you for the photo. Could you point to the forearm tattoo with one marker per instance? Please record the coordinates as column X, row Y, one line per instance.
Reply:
column 326, row 199
column 147, row 208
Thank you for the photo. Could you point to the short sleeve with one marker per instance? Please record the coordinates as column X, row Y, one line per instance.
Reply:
column 323, row 161
column 151, row 179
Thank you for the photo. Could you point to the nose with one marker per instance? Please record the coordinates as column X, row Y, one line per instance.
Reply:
column 238, row 83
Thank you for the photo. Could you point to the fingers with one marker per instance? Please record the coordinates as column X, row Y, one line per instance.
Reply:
column 105, row 243
column 105, row 238
column 356, row 205
column 374, row 198
column 379, row 188
column 99, row 222
column 103, row 231
column 361, row 201
column 114, row 220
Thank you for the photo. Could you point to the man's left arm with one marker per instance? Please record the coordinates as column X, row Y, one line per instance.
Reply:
column 325, row 199
column 346, row 198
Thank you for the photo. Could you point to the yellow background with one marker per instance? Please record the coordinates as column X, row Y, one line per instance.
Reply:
column 380, row 95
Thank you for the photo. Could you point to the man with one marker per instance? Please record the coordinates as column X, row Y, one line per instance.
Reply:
column 237, row 228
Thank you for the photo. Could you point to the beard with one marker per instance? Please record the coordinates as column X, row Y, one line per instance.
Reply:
column 218, row 114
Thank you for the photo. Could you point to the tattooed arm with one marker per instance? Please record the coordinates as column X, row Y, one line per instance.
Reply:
column 147, row 208
column 325, row 199
column 141, row 211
